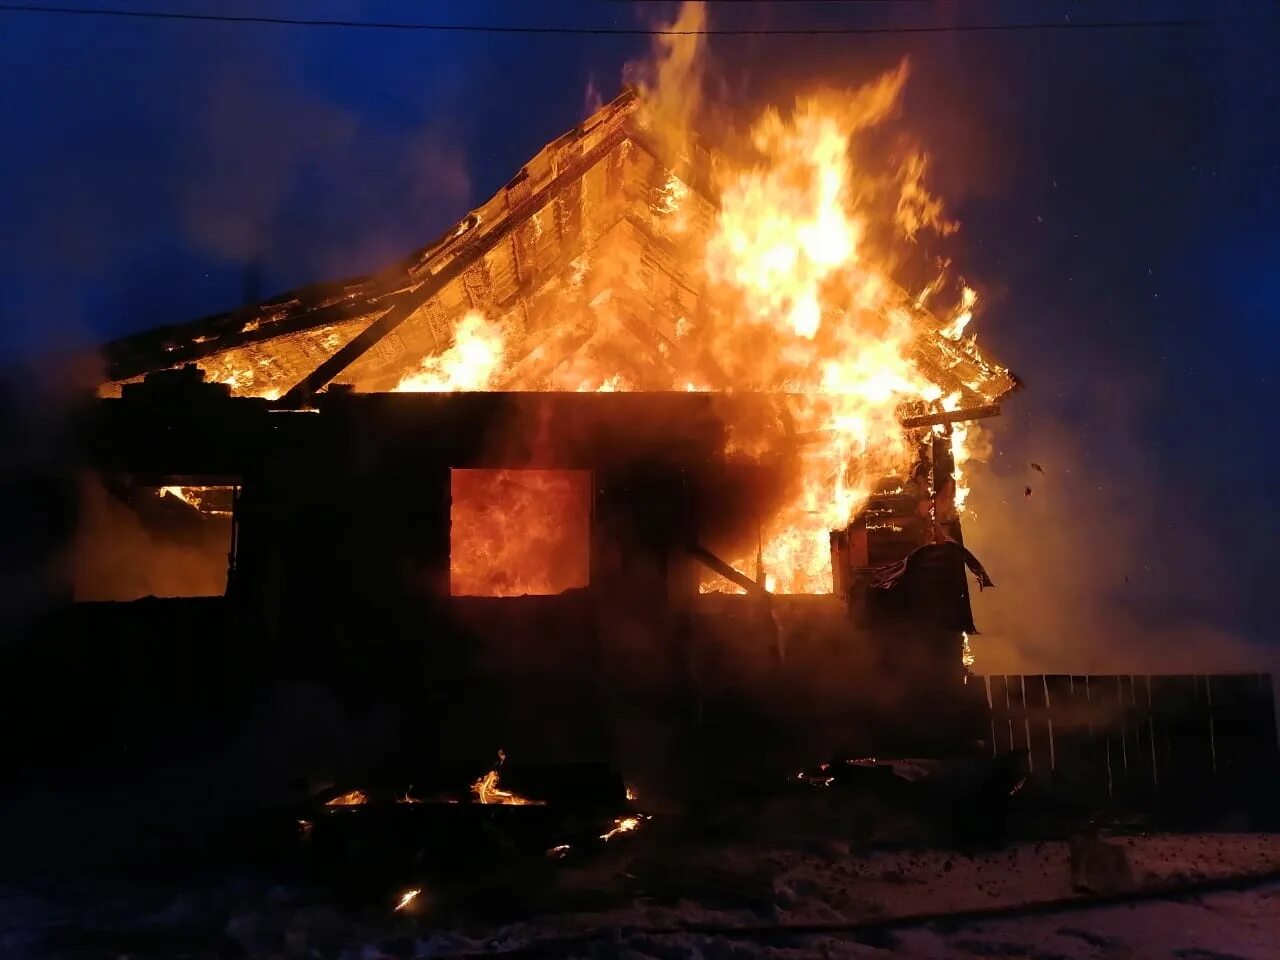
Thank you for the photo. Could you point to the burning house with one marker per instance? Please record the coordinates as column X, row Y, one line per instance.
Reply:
column 639, row 438
column 647, row 458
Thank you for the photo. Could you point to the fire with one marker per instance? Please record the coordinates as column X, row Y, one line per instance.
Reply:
column 518, row 532
column 955, row 327
column 812, row 310
column 486, row 789
column 784, row 256
column 473, row 362
column 352, row 798
column 407, row 898
column 793, row 258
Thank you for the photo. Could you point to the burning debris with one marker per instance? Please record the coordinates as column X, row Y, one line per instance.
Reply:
column 486, row 789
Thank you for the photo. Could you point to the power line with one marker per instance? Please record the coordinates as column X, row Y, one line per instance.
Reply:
column 122, row 13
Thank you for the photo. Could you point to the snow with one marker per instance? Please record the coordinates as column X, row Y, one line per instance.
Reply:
column 740, row 897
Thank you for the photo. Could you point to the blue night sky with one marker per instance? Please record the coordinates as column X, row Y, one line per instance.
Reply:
column 1119, row 193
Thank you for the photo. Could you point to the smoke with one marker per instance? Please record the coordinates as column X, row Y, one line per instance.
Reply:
column 263, row 153
column 38, row 463
column 670, row 81
column 1098, row 569
column 214, row 157
column 117, row 555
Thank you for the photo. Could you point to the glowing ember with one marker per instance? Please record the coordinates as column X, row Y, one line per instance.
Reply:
column 352, row 798
column 407, row 898
column 517, row 532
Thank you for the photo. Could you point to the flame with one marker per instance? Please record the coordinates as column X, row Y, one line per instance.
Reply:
column 966, row 652
column 473, row 362
column 815, row 312
column 486, row 789
column 352, row 798
column 954, row 329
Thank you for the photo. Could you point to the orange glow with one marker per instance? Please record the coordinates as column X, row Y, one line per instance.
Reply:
column 517, row 532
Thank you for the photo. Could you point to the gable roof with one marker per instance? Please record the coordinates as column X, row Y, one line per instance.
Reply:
column 596, row 189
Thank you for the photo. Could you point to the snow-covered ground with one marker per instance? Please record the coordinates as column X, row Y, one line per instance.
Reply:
column 726, row 901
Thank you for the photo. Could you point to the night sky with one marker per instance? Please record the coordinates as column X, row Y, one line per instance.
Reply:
column 1119, row 192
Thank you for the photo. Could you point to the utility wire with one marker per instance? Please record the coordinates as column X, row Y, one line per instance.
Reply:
column 122, row 13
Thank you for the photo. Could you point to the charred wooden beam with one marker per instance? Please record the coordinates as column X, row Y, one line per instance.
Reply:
column 709, row 559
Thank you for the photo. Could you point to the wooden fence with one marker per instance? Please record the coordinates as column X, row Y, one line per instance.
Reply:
column 1138, row 736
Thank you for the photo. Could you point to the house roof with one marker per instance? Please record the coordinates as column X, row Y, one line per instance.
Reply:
column 594, row 194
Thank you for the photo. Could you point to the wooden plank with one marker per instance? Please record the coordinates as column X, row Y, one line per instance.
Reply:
column 1242, row 725
column 1036, row 698
column 1073, row 734
column 1180, row 710
column 1057, row 692
column 1017, row 713
column 1002, row 734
